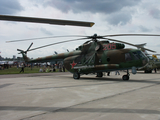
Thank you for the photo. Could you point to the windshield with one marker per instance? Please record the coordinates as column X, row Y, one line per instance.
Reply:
column 141, row 54
column 138, row 55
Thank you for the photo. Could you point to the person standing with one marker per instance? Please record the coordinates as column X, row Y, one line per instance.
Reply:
column 22, row 68
column 108, row 74
column 117, row 72
column 63, row 68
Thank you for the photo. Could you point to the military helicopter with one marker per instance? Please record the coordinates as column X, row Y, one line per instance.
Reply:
column 93, row 56
column 96, row 56
column 153, row 63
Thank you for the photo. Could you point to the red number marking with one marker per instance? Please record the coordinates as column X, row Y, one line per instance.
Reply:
column 110, row 46
column 113, row 46
column 104, row 47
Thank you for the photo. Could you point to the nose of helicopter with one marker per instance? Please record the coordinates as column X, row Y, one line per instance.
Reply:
column 145, row 60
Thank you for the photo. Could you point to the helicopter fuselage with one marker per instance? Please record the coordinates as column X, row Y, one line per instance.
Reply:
column 98, row 57
column 105, row 61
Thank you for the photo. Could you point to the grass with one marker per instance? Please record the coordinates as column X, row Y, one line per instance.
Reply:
column 14, row 70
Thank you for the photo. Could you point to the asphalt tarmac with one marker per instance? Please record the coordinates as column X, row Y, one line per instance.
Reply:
column 57, row 96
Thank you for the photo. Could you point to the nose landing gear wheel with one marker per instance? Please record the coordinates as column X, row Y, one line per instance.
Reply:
column 76, row 75
column 125, row 77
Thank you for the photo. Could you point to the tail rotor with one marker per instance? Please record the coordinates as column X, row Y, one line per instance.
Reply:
column 25, row 52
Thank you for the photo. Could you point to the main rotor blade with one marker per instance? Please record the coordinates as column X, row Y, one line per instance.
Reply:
column 45, row 20
column 130, row 35
column 20, row 40
column 57, row 43
column 128, row 44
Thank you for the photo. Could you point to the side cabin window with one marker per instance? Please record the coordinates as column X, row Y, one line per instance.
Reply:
column 128, row 57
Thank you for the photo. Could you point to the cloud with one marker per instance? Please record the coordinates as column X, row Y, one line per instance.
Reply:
column 10, row 7
column 119, row 12
column 155, row 13
column 92, row 6
column 110, row 17
column 157, row 28
column 119, row 18
column 144, row 29
column 45, row 31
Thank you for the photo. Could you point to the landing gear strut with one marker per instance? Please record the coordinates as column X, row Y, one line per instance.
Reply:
column 126, row 77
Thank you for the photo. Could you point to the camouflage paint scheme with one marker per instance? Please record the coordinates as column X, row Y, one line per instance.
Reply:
column 153, row 63
column 99, row 56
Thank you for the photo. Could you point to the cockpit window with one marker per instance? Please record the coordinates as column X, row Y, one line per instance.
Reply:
column 138, row 55
column 128, row 57
column 135, row 54
column 141, row 54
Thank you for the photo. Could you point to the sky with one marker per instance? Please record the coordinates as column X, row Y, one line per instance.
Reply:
column 110, row 17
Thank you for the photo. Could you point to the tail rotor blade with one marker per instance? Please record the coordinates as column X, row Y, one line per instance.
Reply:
column 30, row 46
column 20, row 50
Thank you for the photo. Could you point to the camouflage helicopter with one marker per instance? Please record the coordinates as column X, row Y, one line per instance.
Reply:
column 96, row 56
column 93, row 56
column 153, row 63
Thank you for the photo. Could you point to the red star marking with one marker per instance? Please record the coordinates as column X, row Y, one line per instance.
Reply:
column 73, row 64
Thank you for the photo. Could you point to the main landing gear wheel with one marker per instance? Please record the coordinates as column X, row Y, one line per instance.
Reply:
column 148, row 71
column 125, row 77
column 76, row 75
column 99, row 74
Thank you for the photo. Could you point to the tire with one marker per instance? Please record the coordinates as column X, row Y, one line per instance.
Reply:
column 146, row 71
column 125, row 77
column 99, row 74
column 76, row 75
